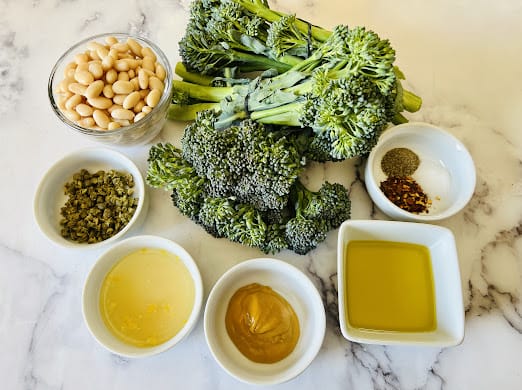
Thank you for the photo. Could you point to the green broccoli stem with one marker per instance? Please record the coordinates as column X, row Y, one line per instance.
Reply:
column 260, row 9
column 410, row 101
column 181, row 70
column 188, row 112
column 202, row 92
column 287, row 114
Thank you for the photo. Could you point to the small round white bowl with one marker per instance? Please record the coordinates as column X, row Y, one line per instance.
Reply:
column 94, row 280
column 446, row 171
column 297, row 289
column 50, row 197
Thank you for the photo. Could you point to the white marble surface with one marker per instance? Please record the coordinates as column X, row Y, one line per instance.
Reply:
column 463, row 57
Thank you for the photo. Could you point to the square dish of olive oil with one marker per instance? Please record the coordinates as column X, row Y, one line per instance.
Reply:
column 389, row 286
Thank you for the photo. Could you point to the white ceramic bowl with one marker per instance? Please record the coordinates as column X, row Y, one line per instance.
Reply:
column 440, row 242
column 446, row 171
column 93, row 283
column 297, row 289
column 49, row 197
column 136, row 133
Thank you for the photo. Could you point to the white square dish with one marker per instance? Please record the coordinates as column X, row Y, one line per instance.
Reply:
column 449, row 308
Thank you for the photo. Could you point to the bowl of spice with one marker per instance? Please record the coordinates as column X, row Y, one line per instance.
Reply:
column 419, row 172
column 89, row 198
column 264, row 321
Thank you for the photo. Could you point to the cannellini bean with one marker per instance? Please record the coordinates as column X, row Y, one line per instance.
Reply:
column 93, row 45
column 107, row 91
column 100, row 102
column 72, row 115
column 120, row 47
column 111, row 76
column 67, row 70
column 114, row 125
column 124, row 76
column 131, row 100
column 63, row 86
column 122, row 87
column 135, row 83
column 84, row 109
column 147, row 52
column 122, row 113
column 118, row 99
column 73, row 101
column 107, row 63
column 139, row 106
column 121, row 65
column 77, row 88
column 148, row 63
column 114, row 107
column 82, row 66
column 93, row 55
column 101, row 118
column 87, row 122
column 95, row 89
column 81, row 58
column 83, row 77
column 132, row 73
column 96, row 69
column 161, row 73
column 139, row 116
column 61, row 98
column 134, row 46
column 155, row 83
column 102, row 52
column 143, row 79
column 153, row 98
column 146, row 109
column 144, row 93
column 111, row 40
column 123, row 122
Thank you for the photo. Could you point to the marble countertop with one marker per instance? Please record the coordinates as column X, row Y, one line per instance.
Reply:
column 463, row 57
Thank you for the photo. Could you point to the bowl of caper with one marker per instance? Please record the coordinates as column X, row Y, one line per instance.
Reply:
column 89, row 198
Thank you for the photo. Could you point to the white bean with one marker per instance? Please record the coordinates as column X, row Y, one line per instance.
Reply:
column 77, row 88
column 153, row 98
column 73, row 101
column 156, row 83
column 107, row 91
column 101, row 118
column 131, row 100
column 139, row 116
column 84, row 109
column 134, row 46
column 122, row 87
column 111, row 76
column 143, row 79
column 114, row 125
column 83, row 77
column 95, row 89
column 100, row 102
column 147, row 52
column 122, row 114
column 96, row 69
column 160, row 71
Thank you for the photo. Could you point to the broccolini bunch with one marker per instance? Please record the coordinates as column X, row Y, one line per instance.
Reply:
column 346, row 91
column 242, row 185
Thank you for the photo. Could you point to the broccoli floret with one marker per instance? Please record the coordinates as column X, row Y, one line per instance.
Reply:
column 243, row 161
column 315, row 214
column 238, row 222
column 167, row 169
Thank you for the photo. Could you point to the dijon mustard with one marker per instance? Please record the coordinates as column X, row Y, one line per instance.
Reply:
column 262, row 324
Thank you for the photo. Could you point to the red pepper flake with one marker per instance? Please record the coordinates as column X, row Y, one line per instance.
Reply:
column 406, row 193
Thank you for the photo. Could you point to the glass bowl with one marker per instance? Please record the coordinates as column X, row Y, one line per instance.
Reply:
column 133, row 133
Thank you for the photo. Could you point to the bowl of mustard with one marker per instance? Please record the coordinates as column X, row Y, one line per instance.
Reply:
column 264, row 321
column 142, row 296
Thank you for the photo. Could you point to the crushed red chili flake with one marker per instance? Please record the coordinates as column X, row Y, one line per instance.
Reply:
column 406, row 193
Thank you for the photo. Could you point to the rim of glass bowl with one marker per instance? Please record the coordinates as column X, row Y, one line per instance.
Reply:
column 101, row 133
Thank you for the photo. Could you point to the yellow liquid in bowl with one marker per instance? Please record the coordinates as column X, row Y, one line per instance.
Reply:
column 147, row 297
column 389, row 286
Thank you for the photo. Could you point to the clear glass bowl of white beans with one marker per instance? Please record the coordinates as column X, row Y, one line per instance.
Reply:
column 114, row 88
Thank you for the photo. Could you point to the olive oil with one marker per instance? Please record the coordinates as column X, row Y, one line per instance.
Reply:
column 389, row 286
column 147, row 297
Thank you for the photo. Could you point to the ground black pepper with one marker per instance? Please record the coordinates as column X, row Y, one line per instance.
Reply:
column 400, row 162
column 406, row 193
